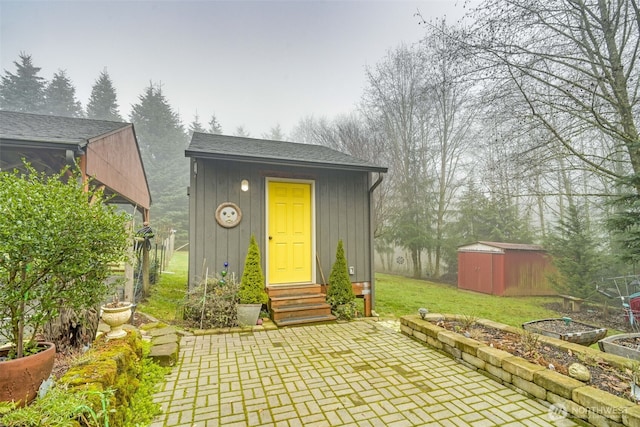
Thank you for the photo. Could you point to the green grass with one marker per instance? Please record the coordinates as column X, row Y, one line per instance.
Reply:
column 167, row 295
column 397, row 296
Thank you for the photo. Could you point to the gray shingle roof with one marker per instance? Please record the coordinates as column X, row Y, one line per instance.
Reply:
column 52, row 129
column 224, row 147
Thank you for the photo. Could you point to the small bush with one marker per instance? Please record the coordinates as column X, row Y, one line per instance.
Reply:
column 340, row 293
column 346, row 311
column 252, row 283
column 212, row 304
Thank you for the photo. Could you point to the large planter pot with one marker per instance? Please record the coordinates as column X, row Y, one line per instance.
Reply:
column 115, row 317
column 613, row 345
column 248, row 314
column 567, row 330
column 21, row 378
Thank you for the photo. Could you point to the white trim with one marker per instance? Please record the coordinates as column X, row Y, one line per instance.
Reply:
column 312, row 194
column 479, row 247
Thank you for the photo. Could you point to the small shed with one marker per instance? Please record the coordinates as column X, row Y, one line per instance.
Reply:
column 509, row 269
column 297, row 200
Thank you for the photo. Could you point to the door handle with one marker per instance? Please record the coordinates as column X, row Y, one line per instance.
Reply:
column 270, row 237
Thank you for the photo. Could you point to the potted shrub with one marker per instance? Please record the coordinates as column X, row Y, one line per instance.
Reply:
column 252, row 294
column 340, row 292
column 55, row 248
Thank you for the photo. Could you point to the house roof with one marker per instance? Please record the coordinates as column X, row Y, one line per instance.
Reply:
column 482, row 246
column 109, row 149
column 224, row 147
column 66, row 131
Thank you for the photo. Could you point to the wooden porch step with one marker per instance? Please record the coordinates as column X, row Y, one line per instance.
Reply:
column 297, row 299
column 298, row 304
column 299, row 310
column 289, row 290
column 304, row 320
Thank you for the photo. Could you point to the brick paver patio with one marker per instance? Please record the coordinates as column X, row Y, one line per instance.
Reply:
column 345, row 374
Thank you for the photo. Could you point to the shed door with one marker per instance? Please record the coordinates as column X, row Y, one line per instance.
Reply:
column 478, row 269
column 289, row 227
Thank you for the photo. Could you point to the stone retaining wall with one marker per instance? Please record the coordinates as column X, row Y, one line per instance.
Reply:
column 567, row 395
column 108, row 365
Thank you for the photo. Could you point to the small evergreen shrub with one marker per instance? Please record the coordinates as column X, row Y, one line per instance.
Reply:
column 346, row 311
column 340, row 293
column 252, row 282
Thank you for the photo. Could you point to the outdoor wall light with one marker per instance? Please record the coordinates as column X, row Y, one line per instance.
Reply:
column 423, row 312
column 244, row 185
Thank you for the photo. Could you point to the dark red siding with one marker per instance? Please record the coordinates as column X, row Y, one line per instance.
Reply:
column 526, row 273
column 513, row 272
column 475, row 271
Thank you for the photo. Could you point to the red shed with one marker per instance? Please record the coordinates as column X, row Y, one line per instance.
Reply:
column 510, row 269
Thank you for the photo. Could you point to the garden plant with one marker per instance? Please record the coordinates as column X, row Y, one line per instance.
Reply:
column 340, row 293
column 57, row 239
column 252, row 281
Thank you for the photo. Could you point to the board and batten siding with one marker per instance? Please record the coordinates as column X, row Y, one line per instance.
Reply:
column 341, row 212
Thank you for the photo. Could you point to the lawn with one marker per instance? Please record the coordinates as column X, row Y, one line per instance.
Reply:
column 396, row 296
column 167, row 295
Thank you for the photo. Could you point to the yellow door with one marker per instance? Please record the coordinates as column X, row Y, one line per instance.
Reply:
column 289, row 232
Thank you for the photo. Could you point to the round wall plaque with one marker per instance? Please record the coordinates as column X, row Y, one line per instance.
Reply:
column 228, row 214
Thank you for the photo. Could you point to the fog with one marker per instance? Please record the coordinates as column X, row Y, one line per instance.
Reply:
column 254, row 64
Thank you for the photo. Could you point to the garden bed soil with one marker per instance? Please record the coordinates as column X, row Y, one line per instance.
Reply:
column 526, row 346
column 611, row 317
column 633, row 342
column 567, row 329
column 560, row 327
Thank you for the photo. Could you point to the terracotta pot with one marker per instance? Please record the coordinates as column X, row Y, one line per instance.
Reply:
column 115, row 317
column 21, row 378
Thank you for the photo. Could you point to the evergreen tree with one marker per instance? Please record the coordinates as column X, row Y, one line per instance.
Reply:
column 482, row 218
column 252, row 282
column 214, row 125
column 411, row 228
column 103, row 103
column 574, row 254
column 241, row 131
column 162, row 142
column 625, row 221
column 60, row 97
column 195, row 126
column 24, row 90
column 340, row 293
column 274, row 134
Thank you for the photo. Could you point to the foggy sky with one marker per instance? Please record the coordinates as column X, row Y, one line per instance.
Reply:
column 252, row 63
